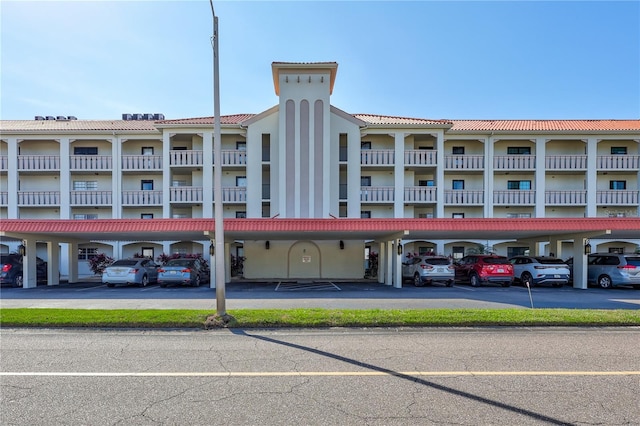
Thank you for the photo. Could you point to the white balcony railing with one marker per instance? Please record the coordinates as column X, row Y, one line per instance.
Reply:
column 234, row 157
column 514, row 162
column 565, row 162
column 565, row 198
column 91, row 198
column 39, row 198
column 141, row 162
column 4, row 162
column 420, row 194
column 186, row 158
column 185, row 194
column 234, row 194
column 512, row 197
column 618, row 162
column 617, row 198
column 377, row 194
column 39, row 162
column 420, row 157
column 377, row 157
column 464, row 197
column 90, row 162
column 464, row 162
column 142, row 198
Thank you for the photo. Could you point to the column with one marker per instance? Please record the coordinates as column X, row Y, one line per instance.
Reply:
column 397, row 264
column 592, row 178
column 73, row 262
column 29, row 272
column 579, row 264
column 382, row 265
column 53, row 263
column 207, row 174
column 166, row 175
column 65, row 179
column 488, row 177
column 116, row 181
column 439, row 174
column 388, row 280
column 541, row 175
column 354, row 172
column 398, row 173
column 12, row 179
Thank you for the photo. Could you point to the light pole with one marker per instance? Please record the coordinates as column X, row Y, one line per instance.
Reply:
column 217, row 176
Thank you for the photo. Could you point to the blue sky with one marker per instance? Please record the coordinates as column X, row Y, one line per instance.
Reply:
column 424, row 59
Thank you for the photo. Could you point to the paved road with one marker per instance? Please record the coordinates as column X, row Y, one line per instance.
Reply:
column 339, row 295
column 506, row 376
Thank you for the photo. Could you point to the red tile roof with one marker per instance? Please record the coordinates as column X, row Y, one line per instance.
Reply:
column 385, row 119
column 224, row 119
column 77, row 125
column 545, row 125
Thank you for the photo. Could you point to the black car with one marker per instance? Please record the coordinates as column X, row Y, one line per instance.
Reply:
column 11, row 270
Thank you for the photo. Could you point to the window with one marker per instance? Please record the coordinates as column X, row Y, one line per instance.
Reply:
column 365, row 180
column 522, row 185
column 519, row 215
column 365, row 145
column 457, row 150
column 85, row 150
column 147, row 150
column 457, row 252
column 617, row 184
column 179, row 148
column 85, row 216
column 425, row 147
column 241, row 181
column 147, row 252
column 617, row 250
column 80, row 185
column 146, row 185
column 365, row 214
column 146, row 215
column 457, row 184
column 517, row 251
column 425, row 215
column 241, row 215
column 519, row 150
column 241, row 146
column 87, row 253
column 457, row 215
column 428, row 182
column 618, row 150
column 178, row 183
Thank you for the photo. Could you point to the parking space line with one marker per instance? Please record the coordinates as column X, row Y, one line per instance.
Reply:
column 464, row 288
column 91, row 288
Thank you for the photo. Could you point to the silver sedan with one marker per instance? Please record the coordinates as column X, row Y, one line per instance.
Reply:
column 140, row 271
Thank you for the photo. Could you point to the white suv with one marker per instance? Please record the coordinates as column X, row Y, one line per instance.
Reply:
column 534, row 270
column 428, row 269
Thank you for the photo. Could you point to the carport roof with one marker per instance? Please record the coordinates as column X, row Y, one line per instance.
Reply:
column 540, row 229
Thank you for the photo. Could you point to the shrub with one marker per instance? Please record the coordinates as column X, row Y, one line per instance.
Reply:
column 99, row 263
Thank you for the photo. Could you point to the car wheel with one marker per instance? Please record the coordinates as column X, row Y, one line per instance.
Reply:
column 417, row 281
column 110, row 285
column 145, row 281
column 196, row 282
column 450, row 283
column 474, row 280
column 604, row 281
column 18, row 281
column 527, row 278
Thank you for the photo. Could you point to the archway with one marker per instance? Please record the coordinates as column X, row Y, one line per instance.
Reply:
column 304, row 260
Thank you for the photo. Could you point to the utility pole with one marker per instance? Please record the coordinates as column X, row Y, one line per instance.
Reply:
column 217, row 176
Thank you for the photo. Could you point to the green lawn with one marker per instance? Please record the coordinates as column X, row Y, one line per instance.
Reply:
column 270, row 318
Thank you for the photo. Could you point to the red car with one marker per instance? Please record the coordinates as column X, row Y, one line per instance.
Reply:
column 478, row 269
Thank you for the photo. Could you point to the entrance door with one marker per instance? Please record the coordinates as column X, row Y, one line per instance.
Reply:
column 304, row 260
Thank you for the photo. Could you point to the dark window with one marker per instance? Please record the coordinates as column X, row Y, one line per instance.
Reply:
column 365, row 214
column 241, row 181
column 146, row 215
column 457, row 184
column 241, row 146
column 146, row 185
column 457, row 215
column 617, row 184
column 365, row 145
column 618, row 150
column 241, row 215
column 457, row 150
column 147, row 150
column 179, row 148
column 147, row 252
column 365, row 180
column 523, row 185
column 428, row 182
column 519, row 150
column 85, row 150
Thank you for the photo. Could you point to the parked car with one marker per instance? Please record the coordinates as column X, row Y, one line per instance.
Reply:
column 608, row 270
column 478, row 269
column 427, row 270
column 140, row 271
column 534, row 270
column 11, row 270
column 184, row 272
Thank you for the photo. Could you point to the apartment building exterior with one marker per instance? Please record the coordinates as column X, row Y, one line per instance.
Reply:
column 304, row 158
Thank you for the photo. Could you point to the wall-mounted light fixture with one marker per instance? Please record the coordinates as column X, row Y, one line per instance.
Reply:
column 266, row 245
column 212, row 249
column 341, row 245
column 399, row 249
column 587, row 247
column 22, row 249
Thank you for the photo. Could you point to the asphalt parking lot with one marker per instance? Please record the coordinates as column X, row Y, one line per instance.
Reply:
column 321, row 294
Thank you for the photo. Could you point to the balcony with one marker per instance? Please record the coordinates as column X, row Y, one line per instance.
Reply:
column 618, row 162
column 464, row 162
column 377, row 194
column 563, row 163
column 4, row 199
column 420, row 157
column 4, row 163
column 142, row 198
column 185, row 194
column 186, row 158
column 377, row 157
column 617, row 198
column 420, row 194
column 38, row 198
column 38, row 163
column 234, row 157
column 90, row 162
column 142, row 163
column 91, row 198
column 514, row 162
column 234, row 194
column 463, row 197
column 514, row 197
column 565, row 198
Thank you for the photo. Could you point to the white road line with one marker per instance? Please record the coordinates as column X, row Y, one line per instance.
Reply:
column 464, row 288
column 91, row 288
column 318, row 373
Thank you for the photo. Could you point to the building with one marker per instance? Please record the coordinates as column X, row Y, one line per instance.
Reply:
column 306, row 159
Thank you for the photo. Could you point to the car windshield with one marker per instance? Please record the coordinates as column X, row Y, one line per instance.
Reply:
column 496, row 260
column 124, row 262
column 635, row 261
column 437, row 261
column 550, row 261
column 180, row 262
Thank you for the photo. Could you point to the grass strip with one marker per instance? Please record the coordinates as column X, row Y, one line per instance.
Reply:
column 301, row 318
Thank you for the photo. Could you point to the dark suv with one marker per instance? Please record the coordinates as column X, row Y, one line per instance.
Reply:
column 11, row 270
column 480, row 269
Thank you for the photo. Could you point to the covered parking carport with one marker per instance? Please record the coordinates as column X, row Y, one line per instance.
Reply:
column 388, row 233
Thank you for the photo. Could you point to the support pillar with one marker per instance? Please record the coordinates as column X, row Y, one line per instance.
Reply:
column 53, row 263
column 73, row 262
